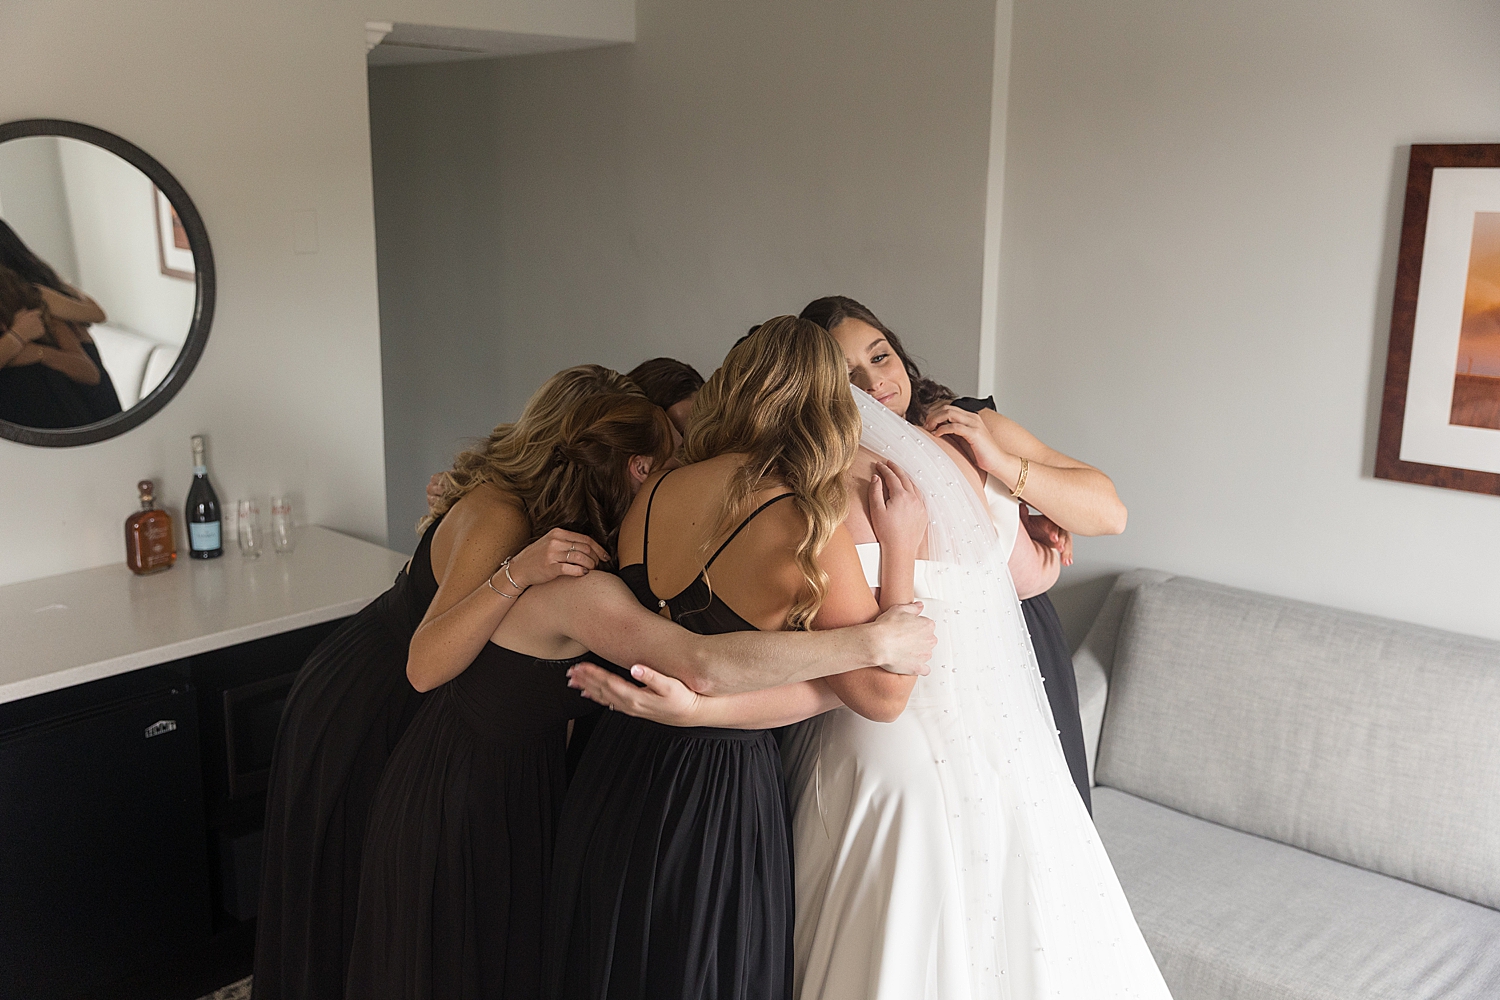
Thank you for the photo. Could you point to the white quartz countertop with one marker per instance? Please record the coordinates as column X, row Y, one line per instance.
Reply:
column 79, row 627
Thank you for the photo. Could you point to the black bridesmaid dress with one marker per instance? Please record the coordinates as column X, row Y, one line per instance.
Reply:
column 1055, row 661
column 344, row 715
column 102, row 400
column 460, row 837
column 673, row 871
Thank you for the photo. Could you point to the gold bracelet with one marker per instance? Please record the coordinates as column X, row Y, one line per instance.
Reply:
column 491, row 581
column 1021, row 480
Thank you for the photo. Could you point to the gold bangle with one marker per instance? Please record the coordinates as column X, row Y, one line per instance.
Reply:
column 1021, row 480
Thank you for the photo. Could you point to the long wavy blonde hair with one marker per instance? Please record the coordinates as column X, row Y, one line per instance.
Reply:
column 517, row 457
column 782, row 398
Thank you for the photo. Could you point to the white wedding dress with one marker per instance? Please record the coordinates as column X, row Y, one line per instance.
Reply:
column 947, row 855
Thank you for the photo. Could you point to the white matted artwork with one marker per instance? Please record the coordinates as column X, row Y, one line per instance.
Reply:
column 173, row 250
column 1440, row 420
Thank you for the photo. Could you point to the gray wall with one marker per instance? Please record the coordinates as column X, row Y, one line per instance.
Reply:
column 34, row 201
column 615, row 204
column 1202, row 208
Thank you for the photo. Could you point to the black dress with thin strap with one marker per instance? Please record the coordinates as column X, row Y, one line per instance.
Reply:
column 1054, row 660
column 673, row 872
column 349, row 707
column 461, row 833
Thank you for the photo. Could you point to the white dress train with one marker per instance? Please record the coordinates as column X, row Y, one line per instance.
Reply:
column 947, row 855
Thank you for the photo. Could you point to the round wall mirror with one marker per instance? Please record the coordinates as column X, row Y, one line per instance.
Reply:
column 106, row 284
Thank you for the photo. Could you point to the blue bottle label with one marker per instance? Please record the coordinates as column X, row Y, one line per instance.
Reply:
column 204, row 537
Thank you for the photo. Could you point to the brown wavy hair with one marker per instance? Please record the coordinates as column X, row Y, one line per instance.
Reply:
column 586, row 485
column 666, row 381
column 782, row 399
column 516, row 456
column 926, row 393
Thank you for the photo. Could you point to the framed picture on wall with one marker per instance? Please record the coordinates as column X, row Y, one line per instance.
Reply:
column 172, row 250
column 1440, row 415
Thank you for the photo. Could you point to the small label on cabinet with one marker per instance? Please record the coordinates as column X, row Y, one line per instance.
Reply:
column 160, row 726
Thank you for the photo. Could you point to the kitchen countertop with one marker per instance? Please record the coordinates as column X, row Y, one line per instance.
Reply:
column 78, row 627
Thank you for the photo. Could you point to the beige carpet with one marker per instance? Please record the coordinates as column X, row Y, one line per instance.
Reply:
column 234, row 991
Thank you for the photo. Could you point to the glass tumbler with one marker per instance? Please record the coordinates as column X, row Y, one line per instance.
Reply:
column 251, row 543
column 281, row 525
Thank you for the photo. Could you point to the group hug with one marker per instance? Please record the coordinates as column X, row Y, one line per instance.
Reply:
column 745, row 689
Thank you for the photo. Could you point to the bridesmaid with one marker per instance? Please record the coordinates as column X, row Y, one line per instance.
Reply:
column 667, row 382
column 670, row 384
column 1074, row 497
column 673, row 872
column 460, row 835
column 352, row 702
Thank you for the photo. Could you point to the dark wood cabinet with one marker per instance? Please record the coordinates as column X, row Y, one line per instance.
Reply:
column 130, row 819
column 103, row 862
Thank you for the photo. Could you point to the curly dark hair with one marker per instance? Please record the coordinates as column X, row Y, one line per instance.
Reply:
column 831, row 310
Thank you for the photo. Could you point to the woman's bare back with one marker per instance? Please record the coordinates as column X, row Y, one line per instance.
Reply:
column 755, row 575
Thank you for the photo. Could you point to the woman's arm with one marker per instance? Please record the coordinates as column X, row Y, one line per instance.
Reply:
column 600, row 613
column 1078, row 497
column 18, row 341
column 75, row 310
column 874, row 694
column 69, row 356
column 483, row 529
column 899, row 519
column 1034, row 566
column 667, row 700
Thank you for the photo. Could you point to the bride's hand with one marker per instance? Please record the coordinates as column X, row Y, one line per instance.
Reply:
column 952, row 421
column 557, row 553
column 435, row 487
column 906, row 640
column 897, row 514
column 663, row 699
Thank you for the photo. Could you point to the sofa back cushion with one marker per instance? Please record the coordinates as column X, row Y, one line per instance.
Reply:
column 1361, row 739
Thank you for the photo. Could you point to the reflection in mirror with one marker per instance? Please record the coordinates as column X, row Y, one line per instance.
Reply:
column 97, row 283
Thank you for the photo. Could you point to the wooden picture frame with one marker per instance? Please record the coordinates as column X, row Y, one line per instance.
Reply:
column 1425, row 437
column 174, row 252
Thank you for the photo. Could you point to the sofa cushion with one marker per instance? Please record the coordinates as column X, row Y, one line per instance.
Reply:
column 1231, row 916
column 1357, row 738
column 125, row 355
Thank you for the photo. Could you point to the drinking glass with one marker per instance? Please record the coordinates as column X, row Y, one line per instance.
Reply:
column 281, row 524
column 251, row 543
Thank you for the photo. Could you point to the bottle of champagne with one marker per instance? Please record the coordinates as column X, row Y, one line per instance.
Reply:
column 205, row 534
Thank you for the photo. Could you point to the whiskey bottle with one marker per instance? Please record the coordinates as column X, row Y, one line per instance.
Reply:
column 149, row 545
column 205, row 533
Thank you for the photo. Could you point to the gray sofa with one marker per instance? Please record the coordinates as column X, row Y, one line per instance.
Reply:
column 1300, row 802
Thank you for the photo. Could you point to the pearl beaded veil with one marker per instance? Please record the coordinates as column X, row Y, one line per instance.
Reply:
column 1045, row 914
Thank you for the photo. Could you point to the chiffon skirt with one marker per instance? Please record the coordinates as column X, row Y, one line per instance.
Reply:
column 1056, row 666
column 344, row 715
column 455, row 869
column 673, row 873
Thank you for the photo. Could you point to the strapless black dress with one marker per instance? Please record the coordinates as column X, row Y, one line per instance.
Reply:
column 344, row 715
column 673, row 871
column 461, row 834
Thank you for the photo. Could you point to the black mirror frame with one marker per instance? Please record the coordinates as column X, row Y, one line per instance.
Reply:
column 203, row 266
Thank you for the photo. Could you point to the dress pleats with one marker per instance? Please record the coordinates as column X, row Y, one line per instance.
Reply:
column 674, row 873
column 461, row 835
column 344, row 715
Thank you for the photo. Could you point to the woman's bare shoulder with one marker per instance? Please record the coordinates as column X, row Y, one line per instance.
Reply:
column 485, row 521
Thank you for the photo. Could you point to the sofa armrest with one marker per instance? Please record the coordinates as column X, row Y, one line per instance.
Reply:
column 1095, row 658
